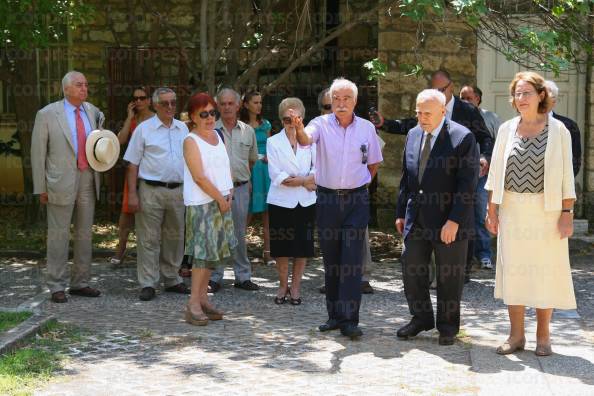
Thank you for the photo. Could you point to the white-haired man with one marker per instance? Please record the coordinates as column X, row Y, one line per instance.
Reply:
column 571, row 125
column 240, row 141
column 64, row 181
column 156, row 167
column 347, row 158
column 434, row 214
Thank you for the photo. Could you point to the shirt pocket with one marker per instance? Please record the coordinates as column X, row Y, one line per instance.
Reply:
column 244, row 150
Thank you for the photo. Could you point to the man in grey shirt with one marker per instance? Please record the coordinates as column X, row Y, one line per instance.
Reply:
column 482, row 243
column 240, row 141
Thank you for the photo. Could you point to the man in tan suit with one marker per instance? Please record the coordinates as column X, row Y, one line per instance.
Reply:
column 66, row 184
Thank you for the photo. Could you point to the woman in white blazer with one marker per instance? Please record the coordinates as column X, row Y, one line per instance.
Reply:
column 530, row 208
column 291, row 200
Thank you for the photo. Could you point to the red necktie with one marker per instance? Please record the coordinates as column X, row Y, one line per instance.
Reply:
column 81, row 138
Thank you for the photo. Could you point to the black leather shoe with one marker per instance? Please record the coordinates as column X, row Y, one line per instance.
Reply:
column 352, row 331
column 213, row 287
column 366, row 288
column 331, row 324
column 147, row 294
column 412, row 329
column 446, row 340
column 180, row 288
column 247, row 285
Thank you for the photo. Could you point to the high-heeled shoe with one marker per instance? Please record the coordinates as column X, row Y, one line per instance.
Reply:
column 510, row 347
column 213, row 313
column 196, row 320
column 543, row 350
column 282, row 300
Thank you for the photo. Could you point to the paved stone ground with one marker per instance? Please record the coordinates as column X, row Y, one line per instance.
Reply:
column 135, row 347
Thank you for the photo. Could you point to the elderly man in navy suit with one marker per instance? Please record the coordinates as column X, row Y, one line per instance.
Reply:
column 435, row 214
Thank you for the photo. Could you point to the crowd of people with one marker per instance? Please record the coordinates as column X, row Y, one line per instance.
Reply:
column 192, row 187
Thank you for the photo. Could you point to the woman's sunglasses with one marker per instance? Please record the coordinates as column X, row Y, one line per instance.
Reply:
column 205, row 114
column 136, row 98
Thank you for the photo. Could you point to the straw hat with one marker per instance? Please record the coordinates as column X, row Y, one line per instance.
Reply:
column 103, row 149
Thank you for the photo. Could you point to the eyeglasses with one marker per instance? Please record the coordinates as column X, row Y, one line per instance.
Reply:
column 443, row 89
column 287, row 120
column 136, row 98
column 526, row 94
column 168, row 103
column 327, row 107
column 363, row 154
column 205, row 114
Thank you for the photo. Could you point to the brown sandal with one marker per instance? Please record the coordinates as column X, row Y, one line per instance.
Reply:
column 213, row 314
column 196, row 320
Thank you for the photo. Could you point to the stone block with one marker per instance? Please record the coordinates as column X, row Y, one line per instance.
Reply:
column 358, row 37
column 460, row 64
column 428, row 61
column 443, row 44
column 397, row 41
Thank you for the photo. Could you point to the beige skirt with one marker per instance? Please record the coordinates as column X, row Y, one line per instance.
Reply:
column 532, row 259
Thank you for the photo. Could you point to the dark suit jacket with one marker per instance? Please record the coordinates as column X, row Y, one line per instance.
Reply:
column 576, row 142
column 448, row 184
column 462, row 113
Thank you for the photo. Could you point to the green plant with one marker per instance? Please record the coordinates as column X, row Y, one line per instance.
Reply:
column 9, row 320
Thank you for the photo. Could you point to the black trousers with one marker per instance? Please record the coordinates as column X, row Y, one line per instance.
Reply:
column 450, row 262
column 342, row 220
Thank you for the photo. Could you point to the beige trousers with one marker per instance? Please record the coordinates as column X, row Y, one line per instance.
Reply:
column 59, row 218
column 160, row 232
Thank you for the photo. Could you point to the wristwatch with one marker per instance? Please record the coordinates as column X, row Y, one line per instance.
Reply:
column 567, row 210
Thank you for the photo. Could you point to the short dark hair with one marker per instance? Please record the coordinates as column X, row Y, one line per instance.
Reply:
column 442, row 72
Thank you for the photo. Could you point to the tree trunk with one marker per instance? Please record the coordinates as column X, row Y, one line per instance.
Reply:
column 27, row 103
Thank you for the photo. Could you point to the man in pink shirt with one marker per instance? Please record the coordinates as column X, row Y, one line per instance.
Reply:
column 347, row 156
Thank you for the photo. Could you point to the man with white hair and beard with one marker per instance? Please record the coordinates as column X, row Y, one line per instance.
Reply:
column 347, row 157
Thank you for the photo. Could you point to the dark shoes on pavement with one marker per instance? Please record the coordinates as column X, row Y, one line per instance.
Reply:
column 85, row 292
column 351, row 330
column 331, row 324
column 60, row 296
column 147, row 294
column 446, row 340
column 180, row 288
column 412, row 329
column 247, row 285
column 213, row 286
column 365, row 288
column 348, row 330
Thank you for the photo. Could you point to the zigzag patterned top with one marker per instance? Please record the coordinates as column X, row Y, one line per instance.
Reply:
column 525, row 165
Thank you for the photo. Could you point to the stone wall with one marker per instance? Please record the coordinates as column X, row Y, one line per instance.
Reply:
column 450, row 47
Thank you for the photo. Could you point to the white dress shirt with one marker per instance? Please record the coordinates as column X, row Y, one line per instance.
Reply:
column 450, row 108
column 157, row 150
column 70, row 111
column 283, row 163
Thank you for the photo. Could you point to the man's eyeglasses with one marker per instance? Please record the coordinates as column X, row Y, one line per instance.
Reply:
column 363, row 154
column 136, row 98
column 205, row 114
column 527, row 94
column 443, row 89
column 168, row 103
column 327, row 107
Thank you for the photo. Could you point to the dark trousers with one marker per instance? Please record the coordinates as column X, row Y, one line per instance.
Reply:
column 450, row 263
column 342, row 220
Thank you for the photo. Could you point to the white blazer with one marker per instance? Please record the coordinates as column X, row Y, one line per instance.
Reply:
column 283, row 163
column 558, row 175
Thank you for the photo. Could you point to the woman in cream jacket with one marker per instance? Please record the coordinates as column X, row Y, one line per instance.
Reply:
column 530, row 208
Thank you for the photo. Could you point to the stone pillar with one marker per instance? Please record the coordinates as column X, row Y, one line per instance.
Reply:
column 588, row 150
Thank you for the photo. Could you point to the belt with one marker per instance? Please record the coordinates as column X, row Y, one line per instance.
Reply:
column 343, row 191
column 238, row 184
column 162, row 184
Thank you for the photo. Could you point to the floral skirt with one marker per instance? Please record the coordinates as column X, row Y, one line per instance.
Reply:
column 210, row 236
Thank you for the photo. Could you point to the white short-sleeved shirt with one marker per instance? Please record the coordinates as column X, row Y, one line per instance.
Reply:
column 157, row 150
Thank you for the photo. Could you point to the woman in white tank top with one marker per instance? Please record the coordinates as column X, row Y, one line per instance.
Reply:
column 207, row 195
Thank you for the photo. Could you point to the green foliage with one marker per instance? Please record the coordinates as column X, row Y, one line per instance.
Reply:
column 37, row 23
column 412, row 69
column 376, row 69
column 9, row 320
column 552, row 36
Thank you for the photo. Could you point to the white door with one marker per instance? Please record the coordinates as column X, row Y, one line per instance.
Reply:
column 494, row 73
